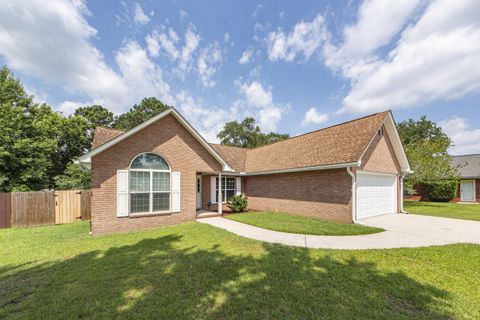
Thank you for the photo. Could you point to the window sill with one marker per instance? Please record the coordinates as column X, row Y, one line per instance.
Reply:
column 152, row 214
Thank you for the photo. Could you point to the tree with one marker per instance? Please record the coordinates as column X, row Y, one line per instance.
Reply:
column 146, row 109
column 29, row 135
column 426, row 146
column 247, row 135
column 94, row 116
column 73, row 178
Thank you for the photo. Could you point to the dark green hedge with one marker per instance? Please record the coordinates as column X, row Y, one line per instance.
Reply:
column 441, row 191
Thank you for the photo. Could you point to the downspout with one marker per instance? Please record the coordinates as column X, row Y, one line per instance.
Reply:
column 401, row 193
column 354, row 194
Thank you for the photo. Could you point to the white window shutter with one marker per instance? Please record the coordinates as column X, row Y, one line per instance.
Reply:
column 176, row 196
column 122, row 193
column 213, row 189
column 238, row 182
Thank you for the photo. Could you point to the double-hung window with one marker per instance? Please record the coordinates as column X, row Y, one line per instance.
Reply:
column 228, row 188
column 149, row 184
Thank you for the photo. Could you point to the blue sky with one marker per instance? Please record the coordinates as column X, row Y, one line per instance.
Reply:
column 295, row 67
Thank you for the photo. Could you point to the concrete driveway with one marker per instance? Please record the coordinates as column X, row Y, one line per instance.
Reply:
column 402, row 230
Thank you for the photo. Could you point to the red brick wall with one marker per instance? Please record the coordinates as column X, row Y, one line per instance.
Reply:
column 168, row 138
column 477, row 190
column 324, row 194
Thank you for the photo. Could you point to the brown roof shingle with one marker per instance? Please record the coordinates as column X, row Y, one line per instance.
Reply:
column 341, row 143
column 103, row 135
column 234, row 156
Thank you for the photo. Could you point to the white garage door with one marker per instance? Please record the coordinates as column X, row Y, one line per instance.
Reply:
column 376, row 195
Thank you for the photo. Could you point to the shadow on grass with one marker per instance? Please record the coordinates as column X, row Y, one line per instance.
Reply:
column 154, row 278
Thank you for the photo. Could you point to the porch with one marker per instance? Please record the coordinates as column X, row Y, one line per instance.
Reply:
column 213, row 186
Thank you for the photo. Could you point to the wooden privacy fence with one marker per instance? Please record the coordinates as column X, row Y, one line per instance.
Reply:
column 25, row 209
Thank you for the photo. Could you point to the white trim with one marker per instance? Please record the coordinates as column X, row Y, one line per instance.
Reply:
column 86, row 158
column 220, row 197
column 401, row 193
column 397, row 144
column 375, row 173
column 474, row 190
column 238, row 186
column 155, row 153
column 322, row 167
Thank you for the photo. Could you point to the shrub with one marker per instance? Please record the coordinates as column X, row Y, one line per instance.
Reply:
column 238, row 203
column 441, row 191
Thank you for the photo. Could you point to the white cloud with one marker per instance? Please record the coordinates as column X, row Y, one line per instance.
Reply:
column 305, row 38
column 208, row 121
column 465, row 139
column 192, row 40
column 208, row 61
column 163, row 40
column 68, row 107
column 261, row 100
column 435, row 58
column 143, row 76
column 246, row 56
column 378, row 21
column 139, row 16
column 187, row 53
column 31, row 34
column 269, row 118
column 183, row 15
column 312, row 116
column 256, row 95
column 226, row 37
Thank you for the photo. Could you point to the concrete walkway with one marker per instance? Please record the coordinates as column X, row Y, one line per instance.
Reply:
column 402, row 230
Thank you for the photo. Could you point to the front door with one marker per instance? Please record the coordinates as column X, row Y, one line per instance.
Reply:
column 199, row 192
column 467, row 190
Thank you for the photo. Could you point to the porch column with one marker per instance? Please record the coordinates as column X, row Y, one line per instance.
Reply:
column 220, row 198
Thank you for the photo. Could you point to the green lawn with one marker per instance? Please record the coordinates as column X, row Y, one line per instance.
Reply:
column 444, row 209
column 196, row 271
column 300, row 224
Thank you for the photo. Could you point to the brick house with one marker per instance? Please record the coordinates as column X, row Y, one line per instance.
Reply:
column 163, row 172
column 469, row 186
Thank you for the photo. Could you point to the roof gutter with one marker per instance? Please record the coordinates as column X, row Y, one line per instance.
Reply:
column 302, row 169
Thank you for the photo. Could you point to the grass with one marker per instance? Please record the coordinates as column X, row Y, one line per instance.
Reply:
column 291, row 223
column 196, row 271
column 444, row 209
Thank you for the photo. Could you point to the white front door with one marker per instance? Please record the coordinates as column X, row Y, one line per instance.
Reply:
column 467, row 190
column 199, row 192
column 376, row 194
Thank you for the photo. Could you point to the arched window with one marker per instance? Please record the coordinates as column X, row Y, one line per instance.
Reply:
column 149, row 184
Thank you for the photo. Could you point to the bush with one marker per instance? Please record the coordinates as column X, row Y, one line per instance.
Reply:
column 441, row 191
column 238, row 203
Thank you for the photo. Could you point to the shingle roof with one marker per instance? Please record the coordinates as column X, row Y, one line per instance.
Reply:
column 234, row 156
column 341, row 143
column 469, row 165
column 103, row 135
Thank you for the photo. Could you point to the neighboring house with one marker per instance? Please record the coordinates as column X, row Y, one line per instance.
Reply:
column 163, row 172
column 469, row 186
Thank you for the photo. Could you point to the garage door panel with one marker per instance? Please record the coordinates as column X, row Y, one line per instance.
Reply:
column 376, row 195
